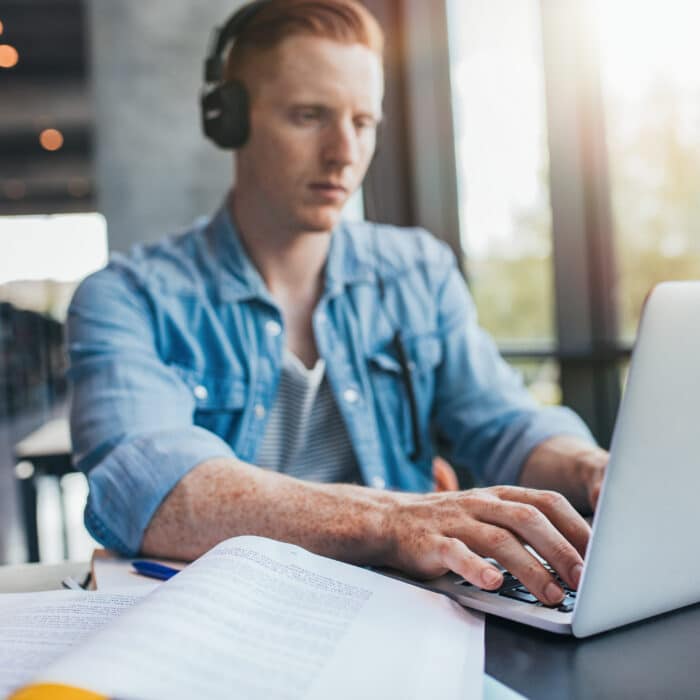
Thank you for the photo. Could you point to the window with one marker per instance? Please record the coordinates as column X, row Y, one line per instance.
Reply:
column 36, row 271
column 502, row 161
column 502, row 177
column 542, row 378
column 573, row 159
column 651, row 91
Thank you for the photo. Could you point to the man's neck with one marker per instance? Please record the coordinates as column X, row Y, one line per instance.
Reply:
column 290, row 262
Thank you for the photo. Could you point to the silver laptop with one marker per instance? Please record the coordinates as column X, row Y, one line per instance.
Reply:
column 642, row 558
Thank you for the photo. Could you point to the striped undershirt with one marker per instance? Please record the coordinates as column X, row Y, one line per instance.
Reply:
column 305, row 436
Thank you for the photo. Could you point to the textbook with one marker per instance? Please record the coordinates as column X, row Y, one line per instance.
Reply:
column 252, row 618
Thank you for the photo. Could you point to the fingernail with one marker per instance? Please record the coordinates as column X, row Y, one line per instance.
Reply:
column 576, row 574
column 491, row 578
column 553, row 593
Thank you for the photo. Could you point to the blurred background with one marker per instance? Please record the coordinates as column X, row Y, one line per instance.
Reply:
column 554, row 144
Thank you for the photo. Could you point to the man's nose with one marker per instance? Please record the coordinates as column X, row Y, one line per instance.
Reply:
column 341, row 147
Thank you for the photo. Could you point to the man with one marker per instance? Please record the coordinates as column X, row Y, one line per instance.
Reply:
column 278, row 336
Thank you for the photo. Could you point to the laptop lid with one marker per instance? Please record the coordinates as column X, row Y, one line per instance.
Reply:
column 641, row 558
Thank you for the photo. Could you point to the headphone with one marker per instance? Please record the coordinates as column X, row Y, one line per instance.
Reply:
column 225, row 107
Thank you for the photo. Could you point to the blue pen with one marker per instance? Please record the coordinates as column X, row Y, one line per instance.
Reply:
column 153, row 569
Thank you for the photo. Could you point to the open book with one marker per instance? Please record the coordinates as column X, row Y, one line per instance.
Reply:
column 256, row 618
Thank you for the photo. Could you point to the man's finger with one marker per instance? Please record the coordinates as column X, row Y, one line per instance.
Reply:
column 532, row 526
column 456, row 556
column 558, row 510
column 504, row 547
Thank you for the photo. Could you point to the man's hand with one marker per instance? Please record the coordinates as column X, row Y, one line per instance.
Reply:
column 569, row 465
column 454, row 531
column 591, row 467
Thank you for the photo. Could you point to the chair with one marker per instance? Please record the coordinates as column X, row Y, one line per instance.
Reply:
column 45, row 452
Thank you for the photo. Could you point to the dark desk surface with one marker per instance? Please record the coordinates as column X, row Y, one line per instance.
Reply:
column 659, row 658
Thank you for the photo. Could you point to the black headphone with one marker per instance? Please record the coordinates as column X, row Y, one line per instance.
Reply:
column 226, row 106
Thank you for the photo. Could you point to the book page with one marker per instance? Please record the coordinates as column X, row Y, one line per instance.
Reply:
column 255, row 618
column 38, row 628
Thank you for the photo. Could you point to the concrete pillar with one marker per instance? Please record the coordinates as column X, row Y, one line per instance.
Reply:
column 155, row 171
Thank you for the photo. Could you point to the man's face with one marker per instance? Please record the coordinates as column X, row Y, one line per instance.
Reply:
column 315, row 106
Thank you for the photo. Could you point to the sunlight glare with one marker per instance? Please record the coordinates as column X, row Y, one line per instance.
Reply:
column 642, row 43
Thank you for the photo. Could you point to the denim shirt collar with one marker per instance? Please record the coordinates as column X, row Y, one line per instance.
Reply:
column 239, row 279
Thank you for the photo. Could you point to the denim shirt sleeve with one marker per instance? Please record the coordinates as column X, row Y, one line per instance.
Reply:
column 131, row 415
column 483, row 413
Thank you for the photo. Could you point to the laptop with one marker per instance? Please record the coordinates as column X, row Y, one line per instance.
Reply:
column 642, row 556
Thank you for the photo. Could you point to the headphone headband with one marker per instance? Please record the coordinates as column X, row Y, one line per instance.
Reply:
column 225, row 106
column 223, row 35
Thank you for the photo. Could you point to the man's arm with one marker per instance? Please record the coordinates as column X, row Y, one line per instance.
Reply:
column 131, row 414
column 487, row 419
column 423, row 535
column 569, row 465
column 222, row 498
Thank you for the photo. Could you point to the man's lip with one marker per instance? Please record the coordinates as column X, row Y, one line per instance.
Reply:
column 327, row 186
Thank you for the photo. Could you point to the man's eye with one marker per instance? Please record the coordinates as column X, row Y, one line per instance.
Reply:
column 307, row 115
column 363, row 123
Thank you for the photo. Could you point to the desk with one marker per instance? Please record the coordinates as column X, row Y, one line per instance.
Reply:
column 653, row 659
column 24, row 578
column 45, row 452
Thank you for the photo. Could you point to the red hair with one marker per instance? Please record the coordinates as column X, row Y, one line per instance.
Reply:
column 344, row 21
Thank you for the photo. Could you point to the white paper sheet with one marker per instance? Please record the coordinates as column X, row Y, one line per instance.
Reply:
column 256, row 618
column 38, row 628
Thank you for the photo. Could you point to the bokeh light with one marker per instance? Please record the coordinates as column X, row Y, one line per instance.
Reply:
column 8, row 56
column 51, row 139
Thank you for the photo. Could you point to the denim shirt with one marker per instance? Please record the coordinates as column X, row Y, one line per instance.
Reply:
column 176, row 349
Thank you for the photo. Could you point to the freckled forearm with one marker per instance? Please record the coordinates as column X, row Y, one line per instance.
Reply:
column 422, row 535
column 223, row 498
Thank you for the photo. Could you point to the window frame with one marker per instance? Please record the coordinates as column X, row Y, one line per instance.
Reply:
column 417, row 170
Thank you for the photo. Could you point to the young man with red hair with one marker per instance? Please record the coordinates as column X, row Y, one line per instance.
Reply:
column 281, row 372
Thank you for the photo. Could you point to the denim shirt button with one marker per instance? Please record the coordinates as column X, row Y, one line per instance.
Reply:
column 260, row 411
column 273, row 328
column 200, row 392
column 351, row 396
column 378, row 483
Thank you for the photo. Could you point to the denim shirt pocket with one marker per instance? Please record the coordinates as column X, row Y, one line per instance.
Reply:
column 219, row 400
column 389, row 382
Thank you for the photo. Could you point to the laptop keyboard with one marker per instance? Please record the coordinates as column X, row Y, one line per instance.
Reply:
column 512, row 588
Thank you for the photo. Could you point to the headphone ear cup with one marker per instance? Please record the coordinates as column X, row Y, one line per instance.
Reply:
column 225, row 111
